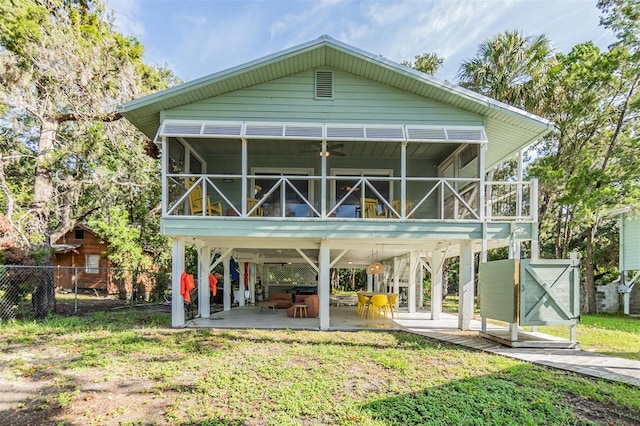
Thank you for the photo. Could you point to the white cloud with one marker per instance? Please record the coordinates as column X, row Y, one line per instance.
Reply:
column 128, row 17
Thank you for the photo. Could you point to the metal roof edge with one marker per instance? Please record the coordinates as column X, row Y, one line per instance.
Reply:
column 541, row 134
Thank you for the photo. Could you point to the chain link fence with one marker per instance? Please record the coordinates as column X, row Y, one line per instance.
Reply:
column 76, row 290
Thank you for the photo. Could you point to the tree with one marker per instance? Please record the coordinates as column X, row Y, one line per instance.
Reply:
column 428, row 63
column 591, row 166
column 511, row 68
column 63, row 71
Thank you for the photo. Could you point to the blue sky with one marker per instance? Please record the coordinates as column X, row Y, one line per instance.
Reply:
column 199, row 37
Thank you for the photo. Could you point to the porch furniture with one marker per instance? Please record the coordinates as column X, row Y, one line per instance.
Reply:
column 268, row 305
column 397, row 206
column 251, row 203
column 393, row 303
column 371, row 209
column 195, row 202
column 379, row 306
column 300, row 309
column 312, row 306
column 281, row 300
column 363, row 304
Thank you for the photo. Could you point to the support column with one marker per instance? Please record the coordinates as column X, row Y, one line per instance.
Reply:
column 324, row 284
column 420, row 286
column 226, row 291
column 204, row 260
column 396, row 275
column 177, row 268
column 241, row 284
column 437, row 263
column 465, row 286
column 252, row 283
column 369, row 282
column 413, row 267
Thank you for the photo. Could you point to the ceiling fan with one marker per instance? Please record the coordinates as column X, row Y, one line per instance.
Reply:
column 331, row 149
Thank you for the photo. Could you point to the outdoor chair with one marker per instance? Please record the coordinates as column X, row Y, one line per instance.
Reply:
column 397, row 206
column 371, row 209
column 195, row 202
column 379, row 306
column 251, row 203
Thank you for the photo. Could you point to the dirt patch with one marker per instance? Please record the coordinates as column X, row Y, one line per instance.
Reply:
column 601, row 413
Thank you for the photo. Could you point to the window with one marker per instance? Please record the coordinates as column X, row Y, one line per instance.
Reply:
column 92, row 264
column 294, row 204
column 341, row 187
column 78, row 234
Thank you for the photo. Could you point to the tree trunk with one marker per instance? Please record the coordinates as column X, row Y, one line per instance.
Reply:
column 43, row 297
column 589, row 283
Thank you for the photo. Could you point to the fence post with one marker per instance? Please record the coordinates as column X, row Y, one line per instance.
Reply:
column 75, row 290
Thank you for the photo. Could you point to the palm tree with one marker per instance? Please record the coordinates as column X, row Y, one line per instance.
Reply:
column 511, row 68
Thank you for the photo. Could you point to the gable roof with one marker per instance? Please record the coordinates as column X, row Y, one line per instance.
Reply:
column 508, row 128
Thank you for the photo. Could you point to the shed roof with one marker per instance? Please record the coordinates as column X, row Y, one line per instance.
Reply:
column 508, row 128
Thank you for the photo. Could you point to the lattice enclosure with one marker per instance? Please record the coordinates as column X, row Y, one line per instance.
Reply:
column 290, row 274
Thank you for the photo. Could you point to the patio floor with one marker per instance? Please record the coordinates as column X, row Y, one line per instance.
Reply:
column 341, row 318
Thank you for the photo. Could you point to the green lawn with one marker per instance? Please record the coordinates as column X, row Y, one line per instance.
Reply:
column 617, row 335
column 128, row 367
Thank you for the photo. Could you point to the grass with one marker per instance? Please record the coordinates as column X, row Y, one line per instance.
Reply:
column 126, row 367
column 611, row 334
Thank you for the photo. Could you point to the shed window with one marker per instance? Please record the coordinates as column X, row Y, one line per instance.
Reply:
column 78, row 234
column 324, row 84
column 92, row 264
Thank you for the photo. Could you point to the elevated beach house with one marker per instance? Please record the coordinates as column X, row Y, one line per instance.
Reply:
column 325, row 156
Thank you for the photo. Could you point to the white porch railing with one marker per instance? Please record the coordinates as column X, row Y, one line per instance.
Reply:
column 428, row 198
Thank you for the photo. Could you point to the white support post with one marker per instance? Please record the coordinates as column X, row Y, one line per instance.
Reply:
column 241, row 285
column 413, row 267
column 252, row 283
column 437, row 279
column 204, row 258
column 403, row 180
column 482, row 202
column 483, row 259
column 323, row 181
column 369, row 282
column 226, row 291
column 513, row 327
column 177, row 268
column 324, row 284
column 396, row 275
column 245, row 184
column 163, row 168
column 465, row 286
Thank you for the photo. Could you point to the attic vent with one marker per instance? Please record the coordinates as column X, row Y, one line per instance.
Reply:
column 466, row 135
column 264, row 130
column 324, row 84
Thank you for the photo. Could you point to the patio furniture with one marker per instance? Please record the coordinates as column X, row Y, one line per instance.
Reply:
column 312, row 306
column 195, row 202
column 371, row 209
column 281, row 300
column 266, row 304
column 363, row 304
column 379, row 306
column 397, row 206
column 251, row 203
column 300, row 309
column 393, row 303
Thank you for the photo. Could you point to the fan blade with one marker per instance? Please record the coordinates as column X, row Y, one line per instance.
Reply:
column 338, row 153
column 336, row 146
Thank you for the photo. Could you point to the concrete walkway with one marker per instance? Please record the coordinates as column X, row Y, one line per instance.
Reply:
column 575, row 360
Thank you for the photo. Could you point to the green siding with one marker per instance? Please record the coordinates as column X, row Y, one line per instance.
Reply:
column 498, row 290
column 631, row 244
column 356, row 100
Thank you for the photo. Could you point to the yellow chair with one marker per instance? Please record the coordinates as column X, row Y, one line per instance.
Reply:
column 393, row 303
column 251, row 203
column 397, row 205
column 379, row 306
column 195, row 202
column 371, row 209
column 363, row 304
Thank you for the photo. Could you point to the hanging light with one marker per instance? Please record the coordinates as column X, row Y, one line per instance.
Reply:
column 375, row 268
